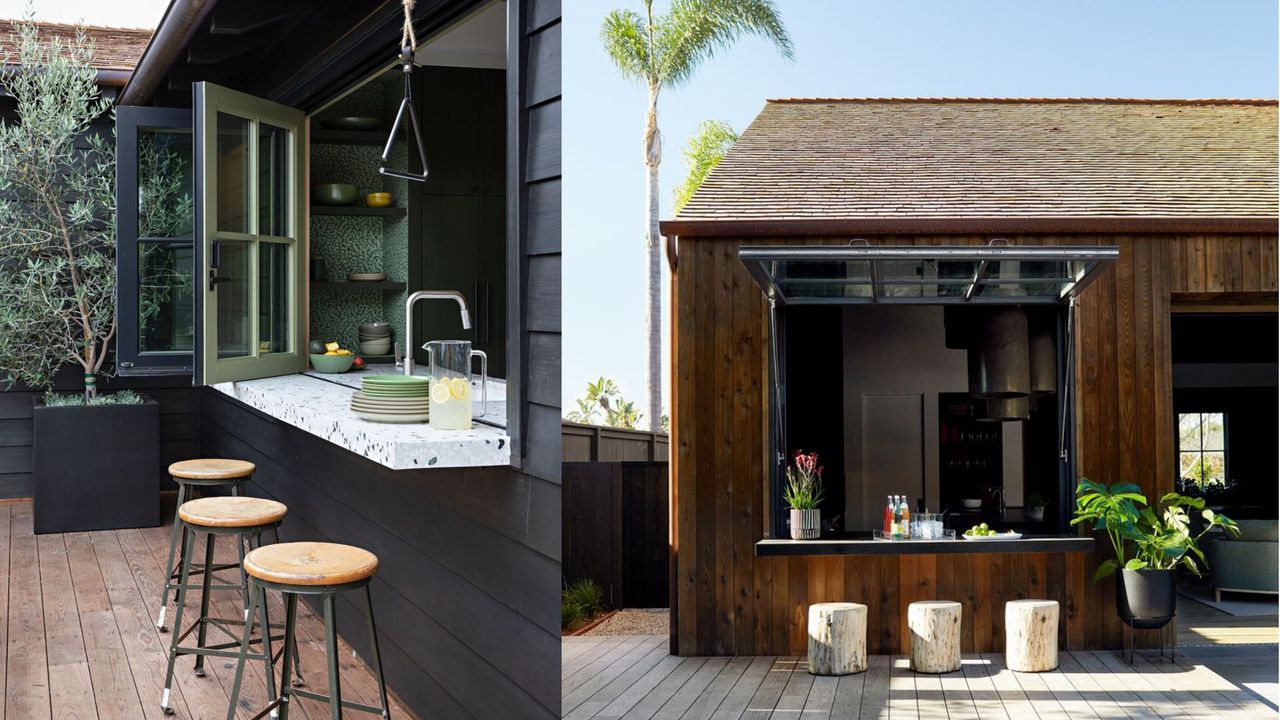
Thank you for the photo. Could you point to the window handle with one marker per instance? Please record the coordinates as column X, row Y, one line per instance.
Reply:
column 215, row 259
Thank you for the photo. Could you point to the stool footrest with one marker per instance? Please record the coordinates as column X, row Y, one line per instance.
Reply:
column 197, row 569
column 349, row 704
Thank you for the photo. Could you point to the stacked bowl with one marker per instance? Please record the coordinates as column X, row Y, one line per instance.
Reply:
column 392, row 398
column 375, row 338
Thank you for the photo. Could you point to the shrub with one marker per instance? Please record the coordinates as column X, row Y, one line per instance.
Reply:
column 586, row 594
column 123, row 397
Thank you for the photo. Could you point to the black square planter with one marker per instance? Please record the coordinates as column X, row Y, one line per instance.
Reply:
column 96, row 467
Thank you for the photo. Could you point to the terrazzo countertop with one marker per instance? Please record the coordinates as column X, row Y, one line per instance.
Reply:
column 321, row 405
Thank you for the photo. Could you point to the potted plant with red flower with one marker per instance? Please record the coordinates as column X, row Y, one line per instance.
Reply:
column 803, row 495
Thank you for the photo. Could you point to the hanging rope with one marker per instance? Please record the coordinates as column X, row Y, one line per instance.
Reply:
column 407, row 38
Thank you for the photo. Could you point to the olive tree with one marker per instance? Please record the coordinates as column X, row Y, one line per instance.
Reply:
column 57, row 214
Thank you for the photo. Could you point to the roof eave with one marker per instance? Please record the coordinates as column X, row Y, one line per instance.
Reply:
column 968, row 226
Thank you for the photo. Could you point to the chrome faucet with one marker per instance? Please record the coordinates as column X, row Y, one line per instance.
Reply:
column 453, row 295
column 999, row 492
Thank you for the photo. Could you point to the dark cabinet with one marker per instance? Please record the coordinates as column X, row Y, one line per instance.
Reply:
column 457, row 233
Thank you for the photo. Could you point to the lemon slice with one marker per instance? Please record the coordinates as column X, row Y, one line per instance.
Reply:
column 440, row 392
column 460, row 388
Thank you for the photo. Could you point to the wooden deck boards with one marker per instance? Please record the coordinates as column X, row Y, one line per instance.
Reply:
column 77, row 615
column 632, row 677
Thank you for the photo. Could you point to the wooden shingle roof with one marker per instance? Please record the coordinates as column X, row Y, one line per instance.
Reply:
column 966, row 165
column 114, row 48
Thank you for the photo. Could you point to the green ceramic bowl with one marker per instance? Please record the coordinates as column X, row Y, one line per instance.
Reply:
column 331, row 363
column 352, row 123
column 334, row 194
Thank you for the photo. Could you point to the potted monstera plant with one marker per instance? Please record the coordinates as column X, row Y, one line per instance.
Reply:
column 1161, row 540
column 96, row 454
column 803, row 495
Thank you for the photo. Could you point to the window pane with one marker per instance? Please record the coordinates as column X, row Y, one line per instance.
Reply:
column 233, row 299
column 233, row 173
column 165, row 309
column 1215, row 466
column 1189, row 465
column 273, row 298
column 273, row 180
column 1213, row 427
column 165, row 207
column 1189, row 432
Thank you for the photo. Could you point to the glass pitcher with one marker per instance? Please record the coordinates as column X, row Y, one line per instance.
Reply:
column 450, row 362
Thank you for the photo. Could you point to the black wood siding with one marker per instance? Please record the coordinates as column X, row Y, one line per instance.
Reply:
column 177, row 424
column 537, row 146
column 174, row 394
column 467, row 592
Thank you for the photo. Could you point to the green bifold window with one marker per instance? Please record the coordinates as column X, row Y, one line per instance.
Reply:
column 210, row 255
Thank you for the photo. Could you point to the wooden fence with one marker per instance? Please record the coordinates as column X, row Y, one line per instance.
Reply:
column 615, row 530
column 593, row 443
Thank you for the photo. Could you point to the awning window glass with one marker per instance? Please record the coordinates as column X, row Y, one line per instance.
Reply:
column 833, row 274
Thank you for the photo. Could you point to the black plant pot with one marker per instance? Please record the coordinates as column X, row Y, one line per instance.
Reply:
column 1146, row 599
column 96, row 468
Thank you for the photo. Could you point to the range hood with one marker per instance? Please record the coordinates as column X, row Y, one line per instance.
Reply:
column 924, row 275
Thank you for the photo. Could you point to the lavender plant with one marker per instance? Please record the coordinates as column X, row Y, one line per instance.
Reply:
column 57, row 215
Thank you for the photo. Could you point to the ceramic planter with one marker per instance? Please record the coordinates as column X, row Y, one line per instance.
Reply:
column 1035, row 514
column 96, row 467
column 806, row 524
column 1146, row 598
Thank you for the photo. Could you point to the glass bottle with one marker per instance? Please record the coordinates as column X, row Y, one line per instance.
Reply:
column 906, row 518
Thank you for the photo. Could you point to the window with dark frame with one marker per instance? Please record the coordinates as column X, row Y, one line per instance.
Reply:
column 154, row 256
column 859, row 274
column 1202, row 448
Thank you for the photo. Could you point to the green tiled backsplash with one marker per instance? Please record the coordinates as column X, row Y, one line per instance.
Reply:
column 350, row 243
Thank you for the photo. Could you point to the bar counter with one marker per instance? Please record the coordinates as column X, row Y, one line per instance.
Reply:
column 864, row 545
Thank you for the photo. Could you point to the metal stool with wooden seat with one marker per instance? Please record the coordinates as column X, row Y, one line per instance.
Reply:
column 191, row 475
column 245, row 519
column 309, row 568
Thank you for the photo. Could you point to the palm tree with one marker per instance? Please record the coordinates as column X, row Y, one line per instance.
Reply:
column 706, row 148
column 665, row 51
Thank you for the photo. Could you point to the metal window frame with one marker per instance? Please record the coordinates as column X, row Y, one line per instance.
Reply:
column 130, row 121
column 1096, row 259
column 762, row 261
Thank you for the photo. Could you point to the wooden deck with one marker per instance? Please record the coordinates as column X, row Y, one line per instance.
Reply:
column 78, row 615
column 633, row 677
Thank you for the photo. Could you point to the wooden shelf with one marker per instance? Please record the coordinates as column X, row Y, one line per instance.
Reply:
column 354, row 285
column 321, row 136
column 357, row 210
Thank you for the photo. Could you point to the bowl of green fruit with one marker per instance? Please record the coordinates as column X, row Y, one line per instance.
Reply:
column 982, row 532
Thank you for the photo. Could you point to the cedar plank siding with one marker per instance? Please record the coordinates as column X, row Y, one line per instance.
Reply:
column 727, row 601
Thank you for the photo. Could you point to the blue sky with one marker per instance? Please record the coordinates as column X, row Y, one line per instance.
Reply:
column 904, row 48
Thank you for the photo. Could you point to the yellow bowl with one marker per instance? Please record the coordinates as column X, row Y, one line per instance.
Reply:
column 378, row 199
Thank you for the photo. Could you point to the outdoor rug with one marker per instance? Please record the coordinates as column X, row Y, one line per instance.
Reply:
column 1237, row 604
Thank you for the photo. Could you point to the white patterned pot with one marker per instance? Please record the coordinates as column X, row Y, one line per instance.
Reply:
column 806, row 524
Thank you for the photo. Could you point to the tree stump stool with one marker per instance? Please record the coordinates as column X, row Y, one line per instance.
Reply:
column 1031, row 635
column 935, row 635
column 837, row 638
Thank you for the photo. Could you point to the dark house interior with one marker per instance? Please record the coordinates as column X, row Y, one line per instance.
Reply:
column 1224, row 370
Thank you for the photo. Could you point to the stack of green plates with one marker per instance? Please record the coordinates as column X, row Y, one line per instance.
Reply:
column 392, row 398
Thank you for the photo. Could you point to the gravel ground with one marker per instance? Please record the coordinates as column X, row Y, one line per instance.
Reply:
column 654, row 621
